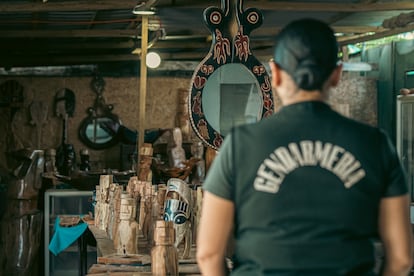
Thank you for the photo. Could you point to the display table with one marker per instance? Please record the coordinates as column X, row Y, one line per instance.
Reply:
column 109, row 263
column 63, row 237
column 65, row 250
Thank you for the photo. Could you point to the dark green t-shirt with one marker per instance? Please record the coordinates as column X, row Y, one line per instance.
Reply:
column 306, row 184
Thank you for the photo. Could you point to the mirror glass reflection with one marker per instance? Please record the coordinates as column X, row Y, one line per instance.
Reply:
column 95, row 131
column 232, row 97
column 98, row 132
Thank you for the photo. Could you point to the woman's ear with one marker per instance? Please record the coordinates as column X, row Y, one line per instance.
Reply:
column 275, row 73
column 336, row 75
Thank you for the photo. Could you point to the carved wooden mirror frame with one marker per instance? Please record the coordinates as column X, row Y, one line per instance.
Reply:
column 97, row 130
column 230, row 27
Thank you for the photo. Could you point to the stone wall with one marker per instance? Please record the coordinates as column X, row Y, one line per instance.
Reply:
column 355, row 97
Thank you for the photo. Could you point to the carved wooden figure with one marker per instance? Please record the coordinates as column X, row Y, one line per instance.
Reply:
column 50, row 161
column 113, row 215
column 178, row 206
column 98, row 208
column 38, row 113
column 21, row 224
column 164, row 256
column 197, row 151
column 198, row 199
column 144, row 172
column 131, row 187
column 117, row 211
column 160, row 199
column 176, row 154
column 146, row 205
column 128, row 229
column 139, row 190
column 104, row 182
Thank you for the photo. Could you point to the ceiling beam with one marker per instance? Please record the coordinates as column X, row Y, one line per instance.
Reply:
column 50, row 6
column 306, row 6
column 69, row 33
column 48, row 60
column 338, row 7
column 270, row 31
column 263, row 31
column 43, row 45
column 367, row 37
column 18, row 7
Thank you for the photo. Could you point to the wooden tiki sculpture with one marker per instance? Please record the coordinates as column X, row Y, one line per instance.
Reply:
column 104, row 182
column 164, row 256
column 177, row 208
column 144, row 172
column 128, row 228
column 146, row 208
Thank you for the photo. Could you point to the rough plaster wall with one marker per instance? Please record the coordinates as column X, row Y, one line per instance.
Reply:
column 355, row 97
column 123, row 93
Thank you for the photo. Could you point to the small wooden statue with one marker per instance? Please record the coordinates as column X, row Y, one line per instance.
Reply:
column 164, row 256
column 200, row 166
column 177, row 208
column 102, row 202
column 50, row 161
column 114, row 196
column 176, row 154
column 145, row 161
column 128, row 228
column 145, row 211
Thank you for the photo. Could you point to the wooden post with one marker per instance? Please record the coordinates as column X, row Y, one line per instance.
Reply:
column 142, row 83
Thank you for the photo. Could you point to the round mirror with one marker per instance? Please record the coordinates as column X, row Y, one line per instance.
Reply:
column 232, row 97
column 98, row 132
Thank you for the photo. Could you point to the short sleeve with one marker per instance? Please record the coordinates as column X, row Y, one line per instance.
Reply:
column 219, row 179
column 395, row 176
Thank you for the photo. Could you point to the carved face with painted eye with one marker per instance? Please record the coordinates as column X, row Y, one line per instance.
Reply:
column 179, row 213
column 176, row 211
column 177, row 207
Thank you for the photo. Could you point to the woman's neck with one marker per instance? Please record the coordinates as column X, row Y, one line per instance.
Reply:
column 303, row 96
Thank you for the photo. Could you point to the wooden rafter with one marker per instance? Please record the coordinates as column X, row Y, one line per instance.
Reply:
column 17, row 7
column 378, row 35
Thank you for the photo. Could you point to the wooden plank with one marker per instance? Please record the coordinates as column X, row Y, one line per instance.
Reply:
column 367, row 37
column 307, row 6
column 115, row 259
column 102, row 268
column 336, row 7
column 104, row 245
column 98, row 5
column 68, row 6
column 68, row 33
column 264, row 31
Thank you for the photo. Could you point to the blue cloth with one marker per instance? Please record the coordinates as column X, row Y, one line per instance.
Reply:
column 65, row 236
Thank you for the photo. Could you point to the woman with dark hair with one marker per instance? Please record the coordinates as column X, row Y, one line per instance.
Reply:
column 306, row 191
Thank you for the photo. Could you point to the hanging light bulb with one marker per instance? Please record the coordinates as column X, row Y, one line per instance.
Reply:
column 153, row 60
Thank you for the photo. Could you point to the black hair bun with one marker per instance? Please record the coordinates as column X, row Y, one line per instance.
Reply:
column 308, row 75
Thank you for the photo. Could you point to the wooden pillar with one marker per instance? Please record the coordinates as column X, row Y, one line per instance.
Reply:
column 142, row 83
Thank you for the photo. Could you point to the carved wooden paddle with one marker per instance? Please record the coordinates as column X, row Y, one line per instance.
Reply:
column 38, row 113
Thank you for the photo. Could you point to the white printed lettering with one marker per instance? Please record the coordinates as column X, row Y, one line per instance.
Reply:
column 284, row 160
